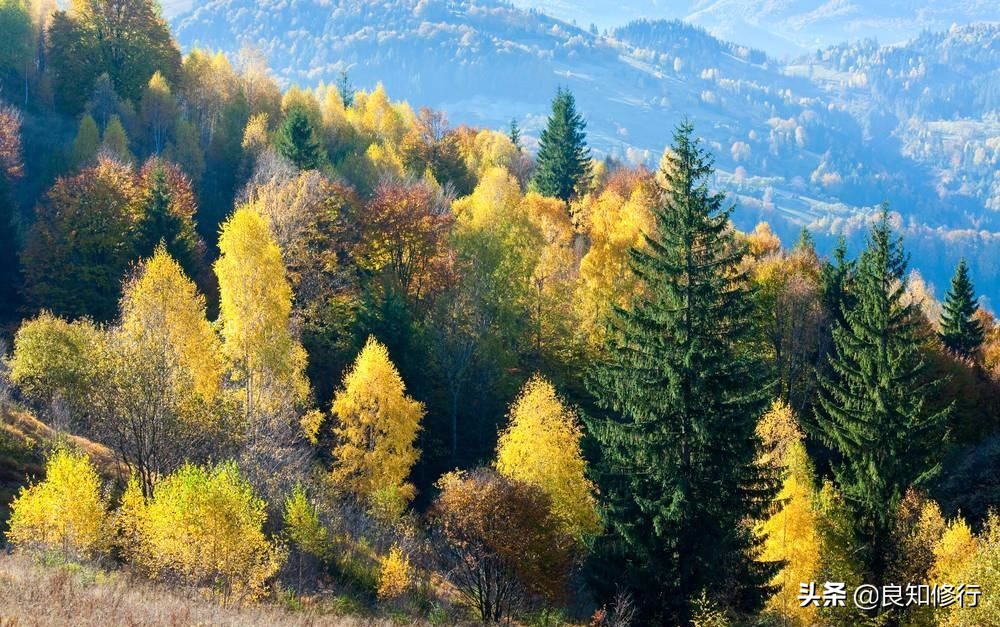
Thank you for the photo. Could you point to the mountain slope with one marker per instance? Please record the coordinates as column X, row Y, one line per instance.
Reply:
column 811, row 143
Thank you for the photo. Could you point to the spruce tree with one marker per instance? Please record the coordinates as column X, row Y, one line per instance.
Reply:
column 961, row 333
column 297, row 140
column 835, row 281
column 563, row 157
column 515, row 133
column 872, row 411
column 681, row 385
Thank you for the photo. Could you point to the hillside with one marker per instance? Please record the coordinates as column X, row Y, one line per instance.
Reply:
column 810, row 143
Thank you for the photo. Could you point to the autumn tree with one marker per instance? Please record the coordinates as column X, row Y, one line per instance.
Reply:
column 680, row 384
column 80, row 275
column 57, row 361
column 375, row 430
column 541, row 447
column 961, row 332
column 255, row 304
column 498, row 541
column 66, row 512
column 204, row 526
column 790, row 533
column 873, row 409
column 168, row 209
column 114, row 143
column 563, row 157
column 127, row 39
column 161, row 374
column 961, row 557
column 403, row 236
column 157, row 110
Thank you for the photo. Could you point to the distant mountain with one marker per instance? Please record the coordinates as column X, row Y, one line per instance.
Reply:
column 817, row 142
column 784, row 27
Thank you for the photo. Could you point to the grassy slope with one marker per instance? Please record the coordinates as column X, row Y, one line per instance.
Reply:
column 23, row 440
column 81, row 596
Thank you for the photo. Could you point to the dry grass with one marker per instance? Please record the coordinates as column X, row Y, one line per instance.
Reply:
column 24, row 427
column 44, row 596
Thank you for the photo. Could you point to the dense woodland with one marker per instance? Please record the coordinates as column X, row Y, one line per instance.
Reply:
column 331, row 343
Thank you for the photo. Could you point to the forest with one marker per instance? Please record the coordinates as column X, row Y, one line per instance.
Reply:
column 312, row 351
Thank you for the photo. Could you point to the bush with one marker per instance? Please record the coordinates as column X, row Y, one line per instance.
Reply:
column 395, row 574
column 499, row 541
column 64, row 512
column 203, row 526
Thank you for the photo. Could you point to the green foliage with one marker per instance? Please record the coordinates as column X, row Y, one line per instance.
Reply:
column 682, row 384
column 297, row 141
column 563, row 156
column 86, row 143
column 961, row 332
column 115, row 141
column 872, row 409
column 302, row 524
column 55, row 359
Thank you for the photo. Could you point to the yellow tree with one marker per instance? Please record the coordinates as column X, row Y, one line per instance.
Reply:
column 541, row 447
column 66, row 511
column 254, row 309
column 790, row 533
column 204, row 525
column 164, row 371
column 613, row 223
column 375, row 429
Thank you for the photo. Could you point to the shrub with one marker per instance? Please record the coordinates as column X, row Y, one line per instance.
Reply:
column 395, row 574
column 204, row 526
column 66, row 511
column 499, row 541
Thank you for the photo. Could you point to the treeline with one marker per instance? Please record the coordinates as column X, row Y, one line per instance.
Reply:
column 327, row 336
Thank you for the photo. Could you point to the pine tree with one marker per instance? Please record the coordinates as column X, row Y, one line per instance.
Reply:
column 515, row 133
column 297, row 140
column 563, row 156
column 683, row 387
column 835, row 279
column 872, row 409
column 961, row 332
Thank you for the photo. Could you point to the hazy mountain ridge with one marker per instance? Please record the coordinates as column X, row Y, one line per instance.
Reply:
column 816, row 142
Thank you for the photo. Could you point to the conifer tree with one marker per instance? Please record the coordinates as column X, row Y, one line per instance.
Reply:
column 515, row 133
column 563, row 156
column 961, row 331
column 872, row 409
column 297, row 140
column 86, row 143
column 683, row 386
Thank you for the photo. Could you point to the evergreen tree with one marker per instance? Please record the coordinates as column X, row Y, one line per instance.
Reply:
column 872, row 411
column 86, row 143
column 961, row 332
column 563, row 156
column 835, row 280
column 515, row 133
column 345, row 89
column 297, row 140
column 683, row 386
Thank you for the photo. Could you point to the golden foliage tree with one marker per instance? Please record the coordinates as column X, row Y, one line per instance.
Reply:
column 67, row 511
column 541, row 447
column 205, row 527
column 375, row 430
column 499, row 542
column 790, row 534
column 163, row 371
column 961, row 558
column 255, row 305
